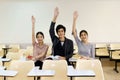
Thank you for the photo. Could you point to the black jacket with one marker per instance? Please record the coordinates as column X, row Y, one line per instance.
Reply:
column 68, row 43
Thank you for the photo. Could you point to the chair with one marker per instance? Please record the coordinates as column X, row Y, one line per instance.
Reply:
column 114, row 50
column 49, row 51
column 1, row 50
column 75, row 53
column 23, row 67
column 0, row 63
column 101, row 51
column 60, row 67
column 14, row 48
column 94, row 65
column 29, row 51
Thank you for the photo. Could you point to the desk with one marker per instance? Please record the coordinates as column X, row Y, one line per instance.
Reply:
column 115, row 58
column 35, row 72
column 4, row 60
column 7, row 73
column 5, row 51
column 79, row 73
column 2, row 67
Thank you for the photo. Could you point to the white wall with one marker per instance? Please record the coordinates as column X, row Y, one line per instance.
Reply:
column 99, row 17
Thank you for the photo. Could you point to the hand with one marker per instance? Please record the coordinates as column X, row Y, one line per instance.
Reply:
column 61, row 58
column 75, row 15
column 56, row 12
column 84, row 57
column 33, row 59
column 33, row 19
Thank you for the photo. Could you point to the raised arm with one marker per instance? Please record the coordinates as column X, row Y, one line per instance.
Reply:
column 75, row 16
column 33, row 30
column 51, row 31
column 56, row 13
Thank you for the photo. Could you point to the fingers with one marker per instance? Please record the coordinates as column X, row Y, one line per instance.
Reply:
column 75, row 15
column 33, row 19
column 56, row 12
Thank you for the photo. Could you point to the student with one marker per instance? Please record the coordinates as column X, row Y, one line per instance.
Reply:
column 39, row 48
column 62, row 46
column 85, row 49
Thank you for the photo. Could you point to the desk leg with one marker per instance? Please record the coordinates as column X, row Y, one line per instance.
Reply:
column 34, row 78
column 71, row 78
column 5, row 52
column 116, row 67
column 4, row 78
column 3, row 63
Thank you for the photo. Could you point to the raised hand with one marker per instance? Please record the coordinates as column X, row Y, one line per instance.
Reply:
column 75, row 15
column 56, row 13
column 33, row 19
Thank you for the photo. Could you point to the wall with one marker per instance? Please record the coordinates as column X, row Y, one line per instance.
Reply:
column 99, row 17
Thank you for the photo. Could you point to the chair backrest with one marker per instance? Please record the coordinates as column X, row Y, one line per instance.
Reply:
column 101, row 45
column 14, row 48
column 13, row 55
column 102, row 49
column 29, row 51
column 114, row 46
column 49, row 51
column 0, row 63
column 94, row 65
column 60, row 67
column 75, row 49
column 23, row 67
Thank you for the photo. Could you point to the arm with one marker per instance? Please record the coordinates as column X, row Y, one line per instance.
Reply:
column 33, row 30
column 93, row 52
column 75, row 15
column 51, row 31
column 43, row 53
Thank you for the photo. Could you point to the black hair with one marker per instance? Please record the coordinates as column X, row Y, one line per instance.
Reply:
column 39, row 33
column 60, row 27
column 82, row 32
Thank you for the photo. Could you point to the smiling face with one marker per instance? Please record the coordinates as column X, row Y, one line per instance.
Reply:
column 84, row 36
column 39, row 37
column 61, row 33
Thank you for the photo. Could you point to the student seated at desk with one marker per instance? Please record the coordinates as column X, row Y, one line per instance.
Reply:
column 39, row 48
column 85, row 49
column 62, row 46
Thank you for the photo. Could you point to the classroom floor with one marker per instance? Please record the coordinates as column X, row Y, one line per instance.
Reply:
column 108, row 67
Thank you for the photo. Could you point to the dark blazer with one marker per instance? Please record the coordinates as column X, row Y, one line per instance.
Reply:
column 68, row 43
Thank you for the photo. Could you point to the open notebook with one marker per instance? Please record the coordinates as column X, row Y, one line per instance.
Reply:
column 81, row 73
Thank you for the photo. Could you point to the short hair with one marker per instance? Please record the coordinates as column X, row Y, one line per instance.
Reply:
column 82, row 32
column 60, row 27
column 39, row 33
